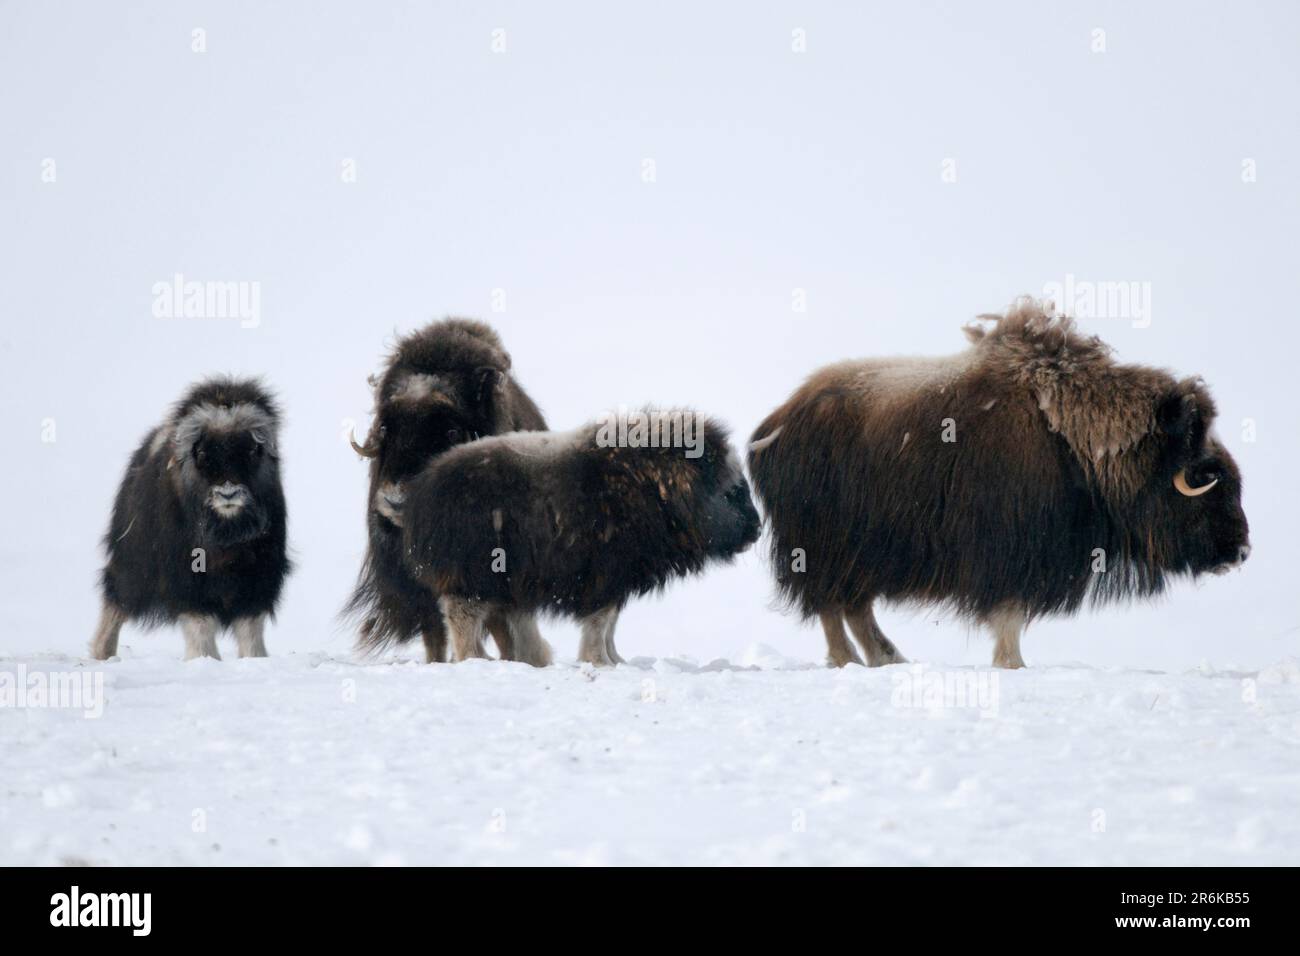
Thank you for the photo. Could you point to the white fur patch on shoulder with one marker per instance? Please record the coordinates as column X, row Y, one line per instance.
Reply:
column 905, row 376
column 207, row 418
column 537, row 444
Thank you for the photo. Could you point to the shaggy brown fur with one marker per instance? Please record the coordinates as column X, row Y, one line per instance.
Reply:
column 442, row 386
column 561, row 523
column 995, row 481
column 198, row 532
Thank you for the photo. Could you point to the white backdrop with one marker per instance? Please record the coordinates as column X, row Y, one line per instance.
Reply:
column 129, row 157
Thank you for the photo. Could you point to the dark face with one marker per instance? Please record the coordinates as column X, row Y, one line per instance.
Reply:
column 1194, row 498
column 410, row 435
column 737, row 523
column 231, row 471
column 730, row 520
column 1208, row 528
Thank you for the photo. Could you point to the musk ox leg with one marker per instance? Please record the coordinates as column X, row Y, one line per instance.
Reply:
column 592, row 648
column 104, row 644
column 839, row 649
column 435, row 642
column 529, row 645
column 1007, row 622
column 248, row 636
column 465, row 621
column 878, row 648
column 200, row 636
column 498, row 625
column 610, row 650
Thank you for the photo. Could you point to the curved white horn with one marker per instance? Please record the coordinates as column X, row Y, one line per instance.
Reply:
column 765, row 440
column 363, row 452
column 1180, row 482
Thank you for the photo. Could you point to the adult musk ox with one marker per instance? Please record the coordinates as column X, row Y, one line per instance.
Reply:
column 443, row 385
column 1015, row 479
column 198, row 528
column 574, row 524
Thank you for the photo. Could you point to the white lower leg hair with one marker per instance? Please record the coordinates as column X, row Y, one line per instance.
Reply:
column 200, row 633
column 591, row 649
column 466, row 621
column 529, row 645
column 1007, row 622
column 104, row 644
column 839, row 649
column 610, row 650
column 248, row 636
column 879, row 649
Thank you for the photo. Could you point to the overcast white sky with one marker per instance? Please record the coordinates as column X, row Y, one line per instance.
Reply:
column 523, row 171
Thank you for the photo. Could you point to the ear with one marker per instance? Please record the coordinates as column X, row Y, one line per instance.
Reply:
column 1184, row 415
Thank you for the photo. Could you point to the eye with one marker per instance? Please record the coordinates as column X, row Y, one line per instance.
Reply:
column 199, row 452
column 453, row 435
column 257, row 450
column 383, row 431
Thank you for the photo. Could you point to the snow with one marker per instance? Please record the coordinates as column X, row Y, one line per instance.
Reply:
column 315, row 759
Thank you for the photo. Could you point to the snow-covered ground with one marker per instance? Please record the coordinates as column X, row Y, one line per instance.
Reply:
column 313, row 759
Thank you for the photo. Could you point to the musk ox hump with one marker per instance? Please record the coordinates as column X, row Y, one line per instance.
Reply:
column 448, row 345
column 1102, row 409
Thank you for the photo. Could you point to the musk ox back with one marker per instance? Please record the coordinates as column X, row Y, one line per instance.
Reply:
column 198, row 527
column 574, row 524
column 1022, row 477
column 443, row 385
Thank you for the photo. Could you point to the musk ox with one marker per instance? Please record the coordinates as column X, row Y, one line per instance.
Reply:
column 443, row 385
column 1016, row 479
column 198, row 527
column 575, row 524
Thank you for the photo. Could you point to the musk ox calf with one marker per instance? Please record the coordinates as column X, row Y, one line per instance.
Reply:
column 1019, row 478
column 198, row 527
column 443, row 385
column 574, row 524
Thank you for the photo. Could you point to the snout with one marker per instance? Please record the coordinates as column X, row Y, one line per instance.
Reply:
column 227, row 499
column 389, row 500
column 742, row 503
column 1234, row 560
